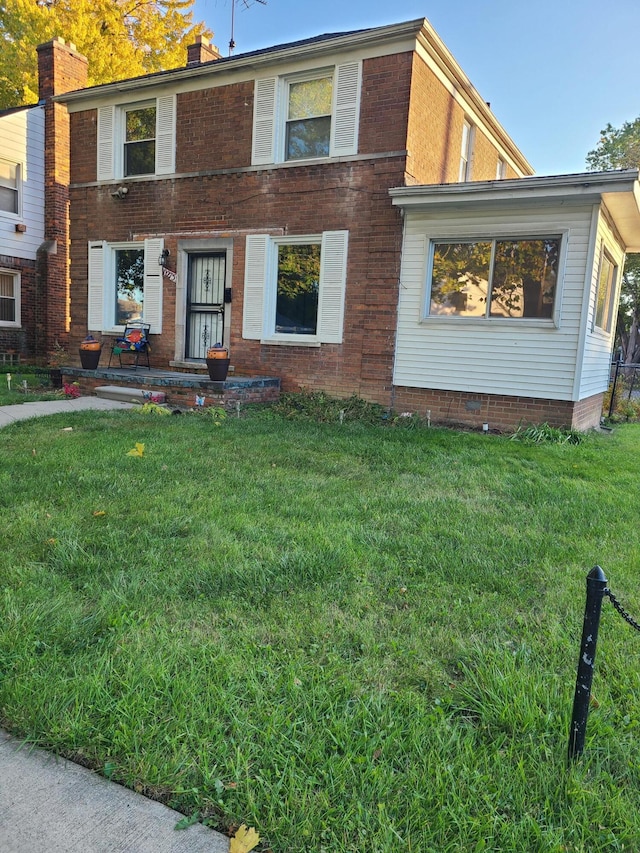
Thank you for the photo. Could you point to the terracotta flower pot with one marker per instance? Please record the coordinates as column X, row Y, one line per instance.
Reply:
column 217, row 352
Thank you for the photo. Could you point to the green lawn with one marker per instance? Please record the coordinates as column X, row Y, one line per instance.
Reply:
column 353, row 638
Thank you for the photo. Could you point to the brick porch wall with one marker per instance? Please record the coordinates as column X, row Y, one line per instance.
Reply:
column 499, row 411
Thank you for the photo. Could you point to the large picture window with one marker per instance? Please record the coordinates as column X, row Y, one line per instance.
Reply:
column 9, row 186
column 297, row 287
column 514, row 278
column 129, row 286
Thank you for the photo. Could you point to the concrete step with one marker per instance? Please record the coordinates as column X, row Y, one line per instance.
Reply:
column 130, row 395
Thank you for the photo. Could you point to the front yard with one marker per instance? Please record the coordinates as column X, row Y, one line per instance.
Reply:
column 353, row 638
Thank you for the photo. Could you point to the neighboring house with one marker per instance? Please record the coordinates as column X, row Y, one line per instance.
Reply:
column 246, row 200
column 21, row 228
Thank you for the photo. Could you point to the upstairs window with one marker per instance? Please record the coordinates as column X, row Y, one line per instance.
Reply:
column 9, row 186
column 606, row 293
column 9, row 298
column 466, row 152
column 515, row 278
column 307, row 116
column 308, row 127
column 137, row 139
column 140, row 141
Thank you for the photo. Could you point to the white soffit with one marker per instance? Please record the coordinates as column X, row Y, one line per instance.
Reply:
column 618, row 190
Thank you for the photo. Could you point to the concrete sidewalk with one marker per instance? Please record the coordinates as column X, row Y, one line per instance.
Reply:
column 11, row 414
column 51, row 805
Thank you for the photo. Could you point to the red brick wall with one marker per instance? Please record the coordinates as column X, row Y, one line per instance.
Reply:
column 499, row 411
column 21, row 341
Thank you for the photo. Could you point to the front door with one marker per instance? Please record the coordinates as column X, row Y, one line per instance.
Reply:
column 205, row 303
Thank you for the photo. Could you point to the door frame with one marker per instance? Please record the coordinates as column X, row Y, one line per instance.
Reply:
column 202, row 246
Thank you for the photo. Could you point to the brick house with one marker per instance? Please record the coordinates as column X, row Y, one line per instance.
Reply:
column 247, row 200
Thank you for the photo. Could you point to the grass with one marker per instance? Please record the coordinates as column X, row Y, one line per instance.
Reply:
column 352, row 638
column 26, row 385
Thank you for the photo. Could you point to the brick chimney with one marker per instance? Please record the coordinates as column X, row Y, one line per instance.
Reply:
column 60, row 69
column 201, row 52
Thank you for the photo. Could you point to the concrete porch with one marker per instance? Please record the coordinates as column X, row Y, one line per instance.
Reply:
column 180, row 389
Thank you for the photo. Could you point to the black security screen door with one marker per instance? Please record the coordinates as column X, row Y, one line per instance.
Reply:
column 205, row 303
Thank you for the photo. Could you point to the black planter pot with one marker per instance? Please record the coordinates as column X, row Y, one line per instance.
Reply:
column 89, row 358
column 218, row 368
column 55, row 378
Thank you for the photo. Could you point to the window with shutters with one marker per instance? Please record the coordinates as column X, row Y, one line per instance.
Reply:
column 294, row 288
column 124, row 285
column 307, row 116
column 9, row 298
column 137, row 139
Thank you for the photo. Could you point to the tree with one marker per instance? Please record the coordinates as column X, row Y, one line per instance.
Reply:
column 619, row 148
column 120, row 38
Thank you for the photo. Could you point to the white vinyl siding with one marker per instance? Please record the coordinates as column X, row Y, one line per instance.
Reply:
column 101, row 285
column 517, row 357
column 270, row 108
column 22, row 143
column 110, row 162
column 260, row 285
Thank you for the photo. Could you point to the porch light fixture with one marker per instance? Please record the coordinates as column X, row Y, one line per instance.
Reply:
column 162, row 260
column 120, row 193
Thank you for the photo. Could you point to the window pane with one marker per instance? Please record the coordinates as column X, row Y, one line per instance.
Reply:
column 524, row 280
column 129, row 285
column 141, row 124
column 605, row 293
column 140, row 158
column 310, row 98
column 7, row 310
column 8, row 200
column 8, row 174
column 297, row 289
column 459, row 284
column 308, row 138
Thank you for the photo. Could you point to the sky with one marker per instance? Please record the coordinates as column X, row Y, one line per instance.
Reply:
column 555, row 73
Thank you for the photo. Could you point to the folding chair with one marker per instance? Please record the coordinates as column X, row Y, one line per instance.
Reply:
column 134, row 342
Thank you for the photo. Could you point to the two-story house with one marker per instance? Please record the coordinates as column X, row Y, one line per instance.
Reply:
column 247, row 200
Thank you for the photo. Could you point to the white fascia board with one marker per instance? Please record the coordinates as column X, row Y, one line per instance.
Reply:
column 381, row 41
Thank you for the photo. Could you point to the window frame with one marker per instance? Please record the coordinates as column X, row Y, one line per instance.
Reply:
column 17, row 189
column 609, row 298
column 123, row 142
column 494, row 237
column 271, row 291
column 283, row 118
column 16, row 323
column 466, row 151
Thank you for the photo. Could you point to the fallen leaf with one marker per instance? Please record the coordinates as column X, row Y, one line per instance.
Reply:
column 99, row 512
column 51, row 541
column 66, row 429
column 244, row 840
column 138, row 450
column 33, row 452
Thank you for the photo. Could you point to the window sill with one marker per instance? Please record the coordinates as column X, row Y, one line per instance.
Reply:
column 485, row 322
column 291, row 341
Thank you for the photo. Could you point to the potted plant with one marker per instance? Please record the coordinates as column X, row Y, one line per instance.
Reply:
column 218, row 362
column 90, row 350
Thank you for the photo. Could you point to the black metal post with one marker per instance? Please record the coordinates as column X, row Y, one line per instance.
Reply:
column 612, row 401
column 596, row 585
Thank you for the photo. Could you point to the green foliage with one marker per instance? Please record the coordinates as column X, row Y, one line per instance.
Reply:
column 151, row 408
column 618, row 147
column 321, row 408
column 546, row 434
column 119, row 40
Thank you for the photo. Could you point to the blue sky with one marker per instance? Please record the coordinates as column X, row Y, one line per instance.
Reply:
column 554, row 72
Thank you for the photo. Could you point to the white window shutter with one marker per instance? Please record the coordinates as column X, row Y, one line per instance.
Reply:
column 333, row 279
column 153, row 285
column 346, row 109
column 106, row 131
column 166, row 135
column 264, row 121
column 255, row 280
column 95, row 290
